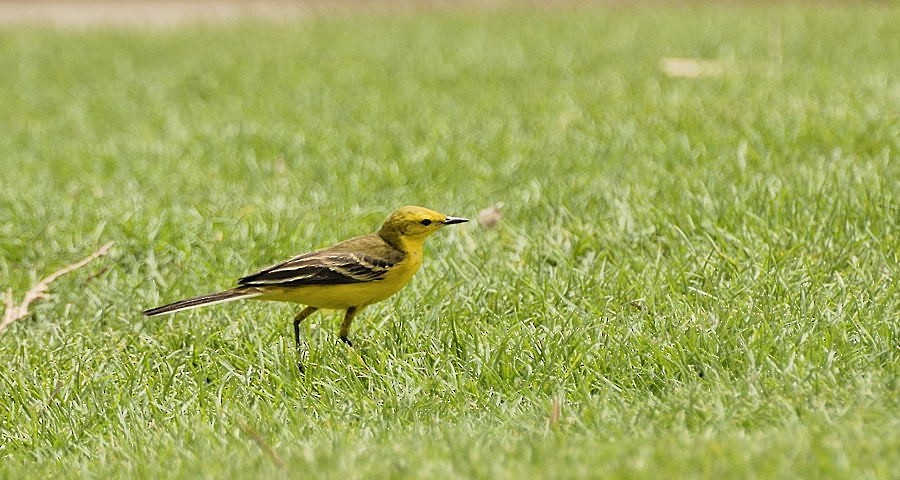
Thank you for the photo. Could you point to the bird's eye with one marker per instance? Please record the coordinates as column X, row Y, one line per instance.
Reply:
column 426, row 222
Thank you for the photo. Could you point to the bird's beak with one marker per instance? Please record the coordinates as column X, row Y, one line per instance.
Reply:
column 452, row 220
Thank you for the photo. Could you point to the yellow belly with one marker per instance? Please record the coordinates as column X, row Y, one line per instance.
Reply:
column 348, row 295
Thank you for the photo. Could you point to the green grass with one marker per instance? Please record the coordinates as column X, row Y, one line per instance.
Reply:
column 702, row 272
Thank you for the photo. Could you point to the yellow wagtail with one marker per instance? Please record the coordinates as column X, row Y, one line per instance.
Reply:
column 348, row 275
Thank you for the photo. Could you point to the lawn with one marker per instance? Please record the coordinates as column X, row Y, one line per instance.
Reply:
column 695, row 275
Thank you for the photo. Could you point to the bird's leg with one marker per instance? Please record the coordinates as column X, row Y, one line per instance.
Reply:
column 345, row 327
column 297, row 319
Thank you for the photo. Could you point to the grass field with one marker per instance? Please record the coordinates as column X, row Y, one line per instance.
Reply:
column 694, row 277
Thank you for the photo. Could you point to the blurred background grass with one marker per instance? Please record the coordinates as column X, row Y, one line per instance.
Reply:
column 700, row 270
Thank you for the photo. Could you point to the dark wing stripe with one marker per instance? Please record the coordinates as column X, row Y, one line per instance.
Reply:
column 321, row 269
column 372, row 263
column 313, row 259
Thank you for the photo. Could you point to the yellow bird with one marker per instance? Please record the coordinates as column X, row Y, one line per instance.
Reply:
column 348, row 275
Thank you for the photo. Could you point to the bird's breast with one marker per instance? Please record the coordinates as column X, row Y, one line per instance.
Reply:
column 404, row 270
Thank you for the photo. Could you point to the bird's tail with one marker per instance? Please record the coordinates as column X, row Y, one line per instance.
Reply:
column 203, row 300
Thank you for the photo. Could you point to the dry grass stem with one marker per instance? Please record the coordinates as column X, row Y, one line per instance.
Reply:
column 38, row 291
column 261, row 443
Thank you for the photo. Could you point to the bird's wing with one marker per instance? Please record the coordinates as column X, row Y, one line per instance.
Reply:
column 361, row 259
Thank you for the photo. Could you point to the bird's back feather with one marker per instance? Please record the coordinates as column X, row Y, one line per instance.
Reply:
column 341, row 263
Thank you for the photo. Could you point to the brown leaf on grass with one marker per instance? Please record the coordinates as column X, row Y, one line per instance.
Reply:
column 38, row 291
column 491, row 216
column 691, row 67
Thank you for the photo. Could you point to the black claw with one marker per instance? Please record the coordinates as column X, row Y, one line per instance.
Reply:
column 300, row 367
column 347, row 341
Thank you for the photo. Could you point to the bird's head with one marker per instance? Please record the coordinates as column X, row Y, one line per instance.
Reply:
column 415, row 224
